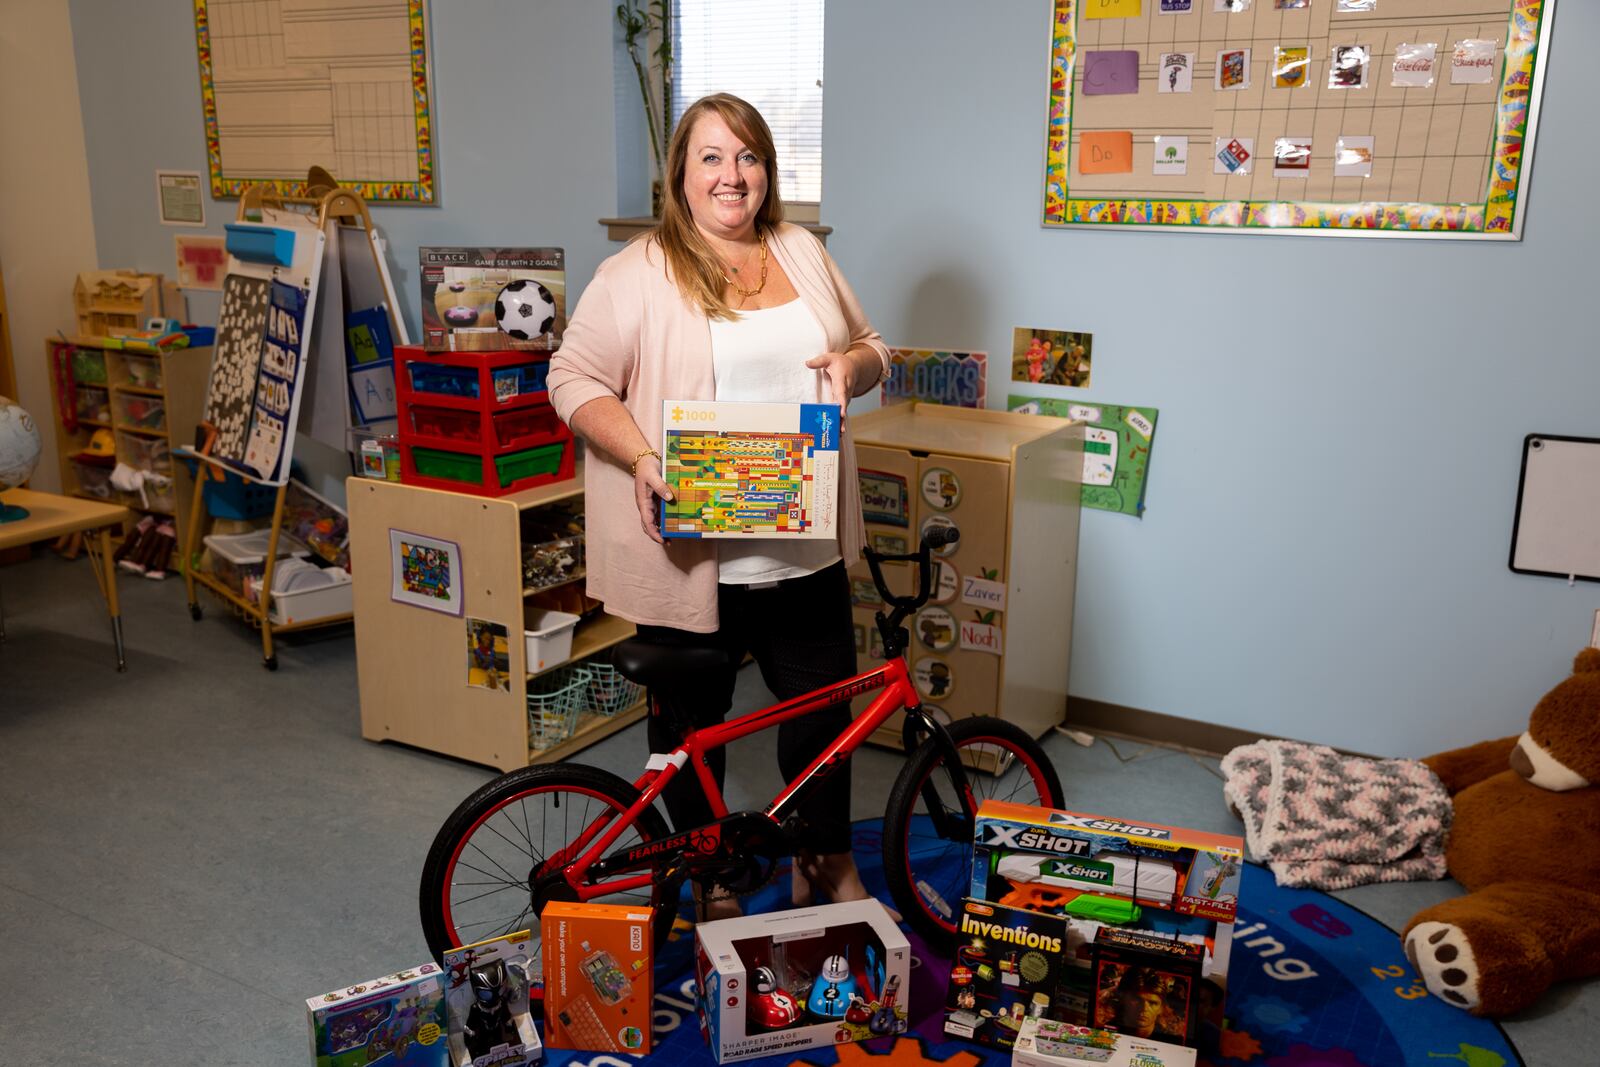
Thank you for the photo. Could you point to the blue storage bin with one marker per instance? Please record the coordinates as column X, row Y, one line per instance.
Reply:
column 234, row 497
column 200, row 336
column 520, row 380
column 443, row 379
column 260, row 244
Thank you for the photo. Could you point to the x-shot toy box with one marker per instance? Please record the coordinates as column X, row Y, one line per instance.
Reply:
column 400, row 1016
column 1043, row 1043
column 794, row 980
column 1099, row 871
column 597, row 977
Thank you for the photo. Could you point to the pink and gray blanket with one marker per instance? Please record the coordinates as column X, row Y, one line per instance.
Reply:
column 1330, row 821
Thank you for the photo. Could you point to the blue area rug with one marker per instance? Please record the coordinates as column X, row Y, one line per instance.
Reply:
column 1313, row 983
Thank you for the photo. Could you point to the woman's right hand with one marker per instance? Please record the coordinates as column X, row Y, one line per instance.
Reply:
column 648, row 485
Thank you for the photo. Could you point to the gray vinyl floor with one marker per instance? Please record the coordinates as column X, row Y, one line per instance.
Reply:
column 190, row 849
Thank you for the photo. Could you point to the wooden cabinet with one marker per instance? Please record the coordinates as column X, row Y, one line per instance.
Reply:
column 996, row 634
column 412, row 663
column 149, row 401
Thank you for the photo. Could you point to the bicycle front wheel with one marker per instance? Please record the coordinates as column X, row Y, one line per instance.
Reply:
column 927, row 828
column 486, row 874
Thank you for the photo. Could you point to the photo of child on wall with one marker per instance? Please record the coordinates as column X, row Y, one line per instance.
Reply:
column 488, row 655
column 1051, row 357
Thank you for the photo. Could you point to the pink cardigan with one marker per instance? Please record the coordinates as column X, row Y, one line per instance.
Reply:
column 634, row 337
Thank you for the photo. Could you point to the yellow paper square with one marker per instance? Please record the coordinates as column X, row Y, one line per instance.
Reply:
column 1111, row 9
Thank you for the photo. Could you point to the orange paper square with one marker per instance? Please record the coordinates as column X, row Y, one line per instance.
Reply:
column 1105, row 152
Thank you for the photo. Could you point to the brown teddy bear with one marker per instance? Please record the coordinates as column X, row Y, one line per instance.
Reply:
column 1526, row 845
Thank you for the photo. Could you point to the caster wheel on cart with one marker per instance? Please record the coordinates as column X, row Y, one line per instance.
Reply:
column 195, row 612
column 270, row 663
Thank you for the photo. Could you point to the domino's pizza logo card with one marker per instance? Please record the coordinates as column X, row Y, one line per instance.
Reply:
column 1233, row 155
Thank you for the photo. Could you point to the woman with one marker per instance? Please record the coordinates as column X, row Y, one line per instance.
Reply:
column 723, row 301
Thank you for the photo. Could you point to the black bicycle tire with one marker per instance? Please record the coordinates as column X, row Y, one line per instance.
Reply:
column 903, row 800
column 500, row 791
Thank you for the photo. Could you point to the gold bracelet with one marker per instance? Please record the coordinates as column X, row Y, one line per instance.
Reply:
column 633, row 468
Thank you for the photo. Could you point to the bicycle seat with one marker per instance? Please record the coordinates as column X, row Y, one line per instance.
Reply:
column 666, row 666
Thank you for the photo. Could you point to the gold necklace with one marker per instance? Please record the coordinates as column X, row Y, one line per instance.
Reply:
column 745, row 294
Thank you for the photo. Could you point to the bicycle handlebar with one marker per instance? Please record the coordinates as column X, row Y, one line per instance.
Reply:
column 936, row 538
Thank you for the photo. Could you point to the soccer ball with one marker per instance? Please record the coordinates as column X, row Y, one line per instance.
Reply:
column 525, row 309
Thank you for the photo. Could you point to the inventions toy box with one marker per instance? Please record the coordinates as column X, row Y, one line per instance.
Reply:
column 750, row 470
column 461, row 288
column 794, row 980
column 1043, row 1043
column 1008, row 967
column 597, row 977
column 1099, row 871
column 486, row 996
column 400, row 1015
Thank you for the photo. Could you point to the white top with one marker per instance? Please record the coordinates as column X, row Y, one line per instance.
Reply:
column 761, row 357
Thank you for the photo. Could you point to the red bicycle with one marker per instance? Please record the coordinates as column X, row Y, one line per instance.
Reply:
column 574, row 832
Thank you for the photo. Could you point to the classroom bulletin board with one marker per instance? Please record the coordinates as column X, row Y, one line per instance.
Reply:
column 290, row 85
column 1407, row 118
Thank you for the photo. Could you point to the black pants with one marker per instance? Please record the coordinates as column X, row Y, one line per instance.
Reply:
column 801, row 636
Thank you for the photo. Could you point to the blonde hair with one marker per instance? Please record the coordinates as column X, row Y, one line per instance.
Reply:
column 691, row 263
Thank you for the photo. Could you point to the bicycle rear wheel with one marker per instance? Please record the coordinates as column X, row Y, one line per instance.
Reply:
column 482, row 877
column 928, row 825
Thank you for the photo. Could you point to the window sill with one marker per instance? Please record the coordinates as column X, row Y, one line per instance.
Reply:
column 628, row 229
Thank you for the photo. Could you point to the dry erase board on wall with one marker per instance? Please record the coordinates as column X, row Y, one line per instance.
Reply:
column 1349, row 118
column 1557, row 529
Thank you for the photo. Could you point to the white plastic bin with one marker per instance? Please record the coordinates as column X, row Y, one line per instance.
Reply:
column 303, row 591
column 239, row 560
column 549, row 637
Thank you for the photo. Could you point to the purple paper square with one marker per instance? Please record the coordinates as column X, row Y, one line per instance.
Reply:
column 1110, row 73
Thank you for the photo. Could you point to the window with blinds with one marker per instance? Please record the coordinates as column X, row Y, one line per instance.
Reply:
column 769, row 54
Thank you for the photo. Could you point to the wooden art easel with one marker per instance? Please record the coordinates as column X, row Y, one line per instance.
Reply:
column 327, row 203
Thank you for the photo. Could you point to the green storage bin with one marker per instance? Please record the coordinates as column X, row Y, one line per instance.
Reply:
column 88, row 366
column 546, row 459
column 456, row 466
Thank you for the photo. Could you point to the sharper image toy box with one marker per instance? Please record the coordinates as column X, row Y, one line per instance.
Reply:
column 486, row 998
column 1100, row 871
column 461, row 285
column 1043, row 1043
column 400, row 1016
column 794, row 980
column 597, row 977
column 750, row 470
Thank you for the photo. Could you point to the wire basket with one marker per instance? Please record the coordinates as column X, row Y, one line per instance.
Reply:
column 609, row 691
column 555, row 701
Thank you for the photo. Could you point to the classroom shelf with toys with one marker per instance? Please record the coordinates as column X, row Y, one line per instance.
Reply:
column 995, row 634
column 517, row 565
column 120, row 401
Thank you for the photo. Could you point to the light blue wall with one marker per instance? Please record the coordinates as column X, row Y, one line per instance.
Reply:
column 1331, row 492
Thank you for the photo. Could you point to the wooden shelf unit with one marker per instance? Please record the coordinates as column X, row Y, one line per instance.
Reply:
column 1013, row 486
column 411, row 663
column 184, row 373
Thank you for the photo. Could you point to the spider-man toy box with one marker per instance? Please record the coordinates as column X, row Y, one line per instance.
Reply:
column 597, row 977
column 793, row 980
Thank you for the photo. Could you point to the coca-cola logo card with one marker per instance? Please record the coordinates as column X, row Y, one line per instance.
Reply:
column 1472, row 62
column 1413, row 65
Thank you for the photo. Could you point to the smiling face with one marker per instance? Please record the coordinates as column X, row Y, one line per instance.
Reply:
column 724, row 180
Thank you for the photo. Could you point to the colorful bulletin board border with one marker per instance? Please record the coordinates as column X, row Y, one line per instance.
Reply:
column 420, row 191
column 1498, row 217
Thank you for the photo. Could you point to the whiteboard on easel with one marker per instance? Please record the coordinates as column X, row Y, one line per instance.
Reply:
column 1557, row 531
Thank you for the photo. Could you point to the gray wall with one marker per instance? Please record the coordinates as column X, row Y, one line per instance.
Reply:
column 1331, row 493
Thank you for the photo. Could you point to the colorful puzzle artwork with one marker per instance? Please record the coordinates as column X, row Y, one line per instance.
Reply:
column 1408, row 116
column 750, row 470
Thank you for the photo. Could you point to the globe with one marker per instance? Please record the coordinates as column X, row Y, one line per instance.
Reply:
column 19, row 453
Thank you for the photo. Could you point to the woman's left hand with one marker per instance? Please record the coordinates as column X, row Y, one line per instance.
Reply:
column 840, row 369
